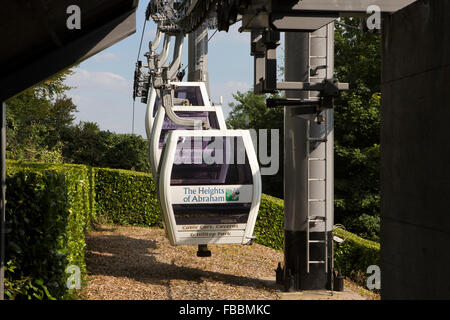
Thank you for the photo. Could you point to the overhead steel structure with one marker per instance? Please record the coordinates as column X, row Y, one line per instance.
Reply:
column 310, row 89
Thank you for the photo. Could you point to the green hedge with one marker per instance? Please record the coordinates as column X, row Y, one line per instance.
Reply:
column 355, row 254
column 49, row 207
column 352, row 256
column 269, row 227
column 126, row 197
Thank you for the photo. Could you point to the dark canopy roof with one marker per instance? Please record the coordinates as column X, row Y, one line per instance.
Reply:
column 35, row 42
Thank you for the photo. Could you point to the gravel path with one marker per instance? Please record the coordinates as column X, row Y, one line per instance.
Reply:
column 139, row 263
column 132, row 263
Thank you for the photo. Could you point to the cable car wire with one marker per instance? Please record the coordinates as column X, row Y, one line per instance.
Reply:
column 137, row 59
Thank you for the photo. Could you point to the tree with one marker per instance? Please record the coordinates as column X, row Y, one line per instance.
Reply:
column 357, row 127
column 127, row 152
column 86, row 144
column 35, row 119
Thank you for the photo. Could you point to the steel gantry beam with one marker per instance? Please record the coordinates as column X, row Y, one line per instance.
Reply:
column 309, row 15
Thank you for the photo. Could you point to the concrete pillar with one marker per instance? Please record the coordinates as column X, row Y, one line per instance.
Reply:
column 415, row 153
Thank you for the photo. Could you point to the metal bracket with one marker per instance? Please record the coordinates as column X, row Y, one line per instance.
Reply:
column 263, row 48
column 141, row 82
column 328, row 86
column 176, row 61
column 156, row 61
column 329, row 90
column 315, row 71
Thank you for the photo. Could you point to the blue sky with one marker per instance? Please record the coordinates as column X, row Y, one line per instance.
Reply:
column 103, row 92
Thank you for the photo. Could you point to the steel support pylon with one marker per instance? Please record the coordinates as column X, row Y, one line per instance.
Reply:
column 309, row 166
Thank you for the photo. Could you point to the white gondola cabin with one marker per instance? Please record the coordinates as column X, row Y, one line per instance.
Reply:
column 209, row 187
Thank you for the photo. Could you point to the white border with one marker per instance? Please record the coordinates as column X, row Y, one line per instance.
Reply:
column 175, row 237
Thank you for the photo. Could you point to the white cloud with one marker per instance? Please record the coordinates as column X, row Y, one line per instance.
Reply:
column 107, row 56
column 238, row 85
column 94, row 80
column 111, row 111
column 105, row 98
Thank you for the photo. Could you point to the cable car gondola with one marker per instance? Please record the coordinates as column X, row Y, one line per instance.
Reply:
column 209, row 187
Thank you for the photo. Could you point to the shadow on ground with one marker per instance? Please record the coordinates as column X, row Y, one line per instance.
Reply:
column 122, row 256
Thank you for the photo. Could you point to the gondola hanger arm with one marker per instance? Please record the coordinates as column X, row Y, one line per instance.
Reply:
column 176, row 61
column 156, row 61
column 153, row 45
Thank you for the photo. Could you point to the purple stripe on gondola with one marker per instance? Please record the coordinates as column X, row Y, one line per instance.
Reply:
column 211, row 213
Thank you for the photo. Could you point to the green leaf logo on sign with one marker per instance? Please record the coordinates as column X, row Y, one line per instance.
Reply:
column 232, row 195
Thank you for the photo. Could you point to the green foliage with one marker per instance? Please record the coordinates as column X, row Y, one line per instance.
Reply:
column 354, row 255
column 367, row 226
column 250, row 112
column 126, row 197
column 35, row 120
column 87, row 144
column 49, row 208
column 357, row 127
column 25, row 288
column 128, row 152
column 269, row 227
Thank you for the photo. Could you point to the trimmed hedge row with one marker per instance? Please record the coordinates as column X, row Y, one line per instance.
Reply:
column 49, row 207
column 354, row 255
column 269, row 227
column 126, row 197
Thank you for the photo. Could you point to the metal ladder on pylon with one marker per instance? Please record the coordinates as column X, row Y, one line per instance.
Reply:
column 316, row 219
